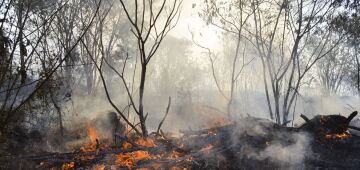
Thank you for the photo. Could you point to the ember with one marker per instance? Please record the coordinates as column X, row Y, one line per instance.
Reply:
column 204, row 149
column 128, row 159
column 343, row 135
column 207, row 148
column 179, row 84
column 68, row 165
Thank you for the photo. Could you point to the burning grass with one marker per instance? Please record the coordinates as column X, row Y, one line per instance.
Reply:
column 212, row 148
column 250, row 143
column 139, row 150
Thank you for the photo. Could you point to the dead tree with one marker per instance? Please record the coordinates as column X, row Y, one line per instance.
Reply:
column 146, row 22
column 93, row 47
column 282, row 39
column 231, row 18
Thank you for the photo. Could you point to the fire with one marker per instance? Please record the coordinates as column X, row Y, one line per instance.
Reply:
column 98, row 167
column 207, row 148
column 91, row 132
column 343, row 135
column 129, row 159
column 68, row 165
column 148, row 142
column 177, row 168
column 174, row 155
column 211, row 132
column 93, row 138
column 139, row 141
column 211, row 117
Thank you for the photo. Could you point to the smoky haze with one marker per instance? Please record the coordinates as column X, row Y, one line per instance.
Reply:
column 70, row 68
column 182, row 70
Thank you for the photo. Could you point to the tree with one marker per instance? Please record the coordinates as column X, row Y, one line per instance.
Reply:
column 231, row 17
column 149, row 27
column 281, row 39
column 348, row 22
column 26, row 83
column 334, row 68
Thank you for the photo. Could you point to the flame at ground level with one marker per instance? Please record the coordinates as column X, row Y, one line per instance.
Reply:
column 125, row 160
column 343, row 135
column 130, row 159
column 91, row 132
column 68, row 165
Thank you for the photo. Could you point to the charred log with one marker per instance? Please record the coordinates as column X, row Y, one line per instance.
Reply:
column 324, row 125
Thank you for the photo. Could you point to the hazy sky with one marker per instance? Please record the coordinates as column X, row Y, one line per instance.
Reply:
column 190, row 19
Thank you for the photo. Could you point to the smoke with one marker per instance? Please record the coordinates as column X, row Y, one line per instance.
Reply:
column 292, row 154
column 261, row 141
column 182, row 70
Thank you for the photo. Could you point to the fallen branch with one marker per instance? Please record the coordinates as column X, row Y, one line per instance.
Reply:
column 73, row 156
column 307, row 120
column 352, row 115
column 353, row 127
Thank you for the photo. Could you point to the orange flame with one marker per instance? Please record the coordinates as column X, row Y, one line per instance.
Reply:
column 68, row 165
column 93, row 137
column 128, row 159
column 148, row 142
column 174, row 154
column 98, row 167
column 207, row 148
column 91, row 132
column 343, row 135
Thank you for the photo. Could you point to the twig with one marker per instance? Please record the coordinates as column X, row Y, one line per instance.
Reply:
column 307, row 120
column 352, row 115
column 166, row 113
column 72, row 156
column 353, row 127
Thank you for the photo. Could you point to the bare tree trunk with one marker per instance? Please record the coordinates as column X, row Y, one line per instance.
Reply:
column 22, row 70
column 89, row 80
column 142, row 32
column 58, row 110
column 141, row 98
column 267, row 95
column 233, row 78
column 358, row 70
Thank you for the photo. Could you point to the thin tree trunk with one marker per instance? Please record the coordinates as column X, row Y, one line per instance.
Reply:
column 23, row 54
column 141, row 107
column 58, row 109
column 267, row 91
column 233, row 78
column 358, row 70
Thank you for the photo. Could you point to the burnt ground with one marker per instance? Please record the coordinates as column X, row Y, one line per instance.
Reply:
column 264, row 145
column 250, row 143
